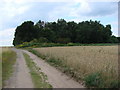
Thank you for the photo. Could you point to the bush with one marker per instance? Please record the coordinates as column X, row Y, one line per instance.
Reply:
column 115, row 84
column 113, row 39
column 70, row 44
column 63, row 40
column 93, row 80
column 43, row 40
column 34, row 41
column 39, row 40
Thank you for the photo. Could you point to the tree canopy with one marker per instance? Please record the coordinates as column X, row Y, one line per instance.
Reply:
column 64, row 32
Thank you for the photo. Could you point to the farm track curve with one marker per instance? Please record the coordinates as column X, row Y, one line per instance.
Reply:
column 21, row 77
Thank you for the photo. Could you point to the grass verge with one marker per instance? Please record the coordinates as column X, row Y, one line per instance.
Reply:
column 52, row 61
column 56, row 63
column 8, row 60
column 35, row 45
column 39, row 78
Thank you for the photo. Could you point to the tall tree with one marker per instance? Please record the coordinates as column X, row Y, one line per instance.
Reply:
column 64, row 32
column 71, row 30
column 25, row 33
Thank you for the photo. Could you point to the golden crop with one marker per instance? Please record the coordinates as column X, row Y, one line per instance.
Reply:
column 86, row 59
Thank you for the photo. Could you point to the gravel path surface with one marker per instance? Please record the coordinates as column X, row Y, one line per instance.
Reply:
column 56, row 78
column 21, row 77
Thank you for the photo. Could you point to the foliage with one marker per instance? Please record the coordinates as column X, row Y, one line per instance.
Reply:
column 113, row 39
column 118, row 39
column 35, row 43
column 93, row 80
column 64, row 32
column 25, row 33
column 96, row 80
column 63, row 40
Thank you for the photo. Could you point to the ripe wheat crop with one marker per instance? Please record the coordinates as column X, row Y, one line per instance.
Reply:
column 85, row 60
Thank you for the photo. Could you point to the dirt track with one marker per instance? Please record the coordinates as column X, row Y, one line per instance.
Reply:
column 56, row 78
column 21, row 77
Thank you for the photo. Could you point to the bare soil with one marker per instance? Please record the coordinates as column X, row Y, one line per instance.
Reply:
column 21, row 77
column 56, row 78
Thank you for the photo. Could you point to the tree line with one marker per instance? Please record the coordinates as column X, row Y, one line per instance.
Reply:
column 64, row 32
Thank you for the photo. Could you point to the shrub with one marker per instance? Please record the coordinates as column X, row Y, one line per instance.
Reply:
column 115, row 84
column 42, row 40
column 39, row 40
column 63, row 40
column 70, row 44
column 34, row 41
column 113, row 39
column 93, row 80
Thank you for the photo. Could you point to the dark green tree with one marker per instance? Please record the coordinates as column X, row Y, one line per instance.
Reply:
column 106, row 34
column 25, row 33
column 118, row 39
column 64, row 32
column 71, row 31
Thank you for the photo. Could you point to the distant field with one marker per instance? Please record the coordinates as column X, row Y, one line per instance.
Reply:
column 97, row 65
column 0, row 68
column 8, row 60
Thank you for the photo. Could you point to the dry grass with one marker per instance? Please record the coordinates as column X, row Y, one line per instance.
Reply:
column 8, row 60
column 0, row 67
column 85, row 60
column 0, row 54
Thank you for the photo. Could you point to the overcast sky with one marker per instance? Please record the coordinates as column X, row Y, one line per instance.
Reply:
column 15, row 12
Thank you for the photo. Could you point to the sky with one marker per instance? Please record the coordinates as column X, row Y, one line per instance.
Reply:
column 15, row 12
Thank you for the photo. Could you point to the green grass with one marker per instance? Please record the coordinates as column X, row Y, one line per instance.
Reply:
column 39, row 78
column 34, row 45
column 51, row 61
column 8, row 60
column 94, row 80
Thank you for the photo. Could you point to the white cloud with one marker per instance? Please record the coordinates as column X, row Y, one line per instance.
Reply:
column 84, row 10
column 96, row 9
column 115, row 31
column 115, row 27
column 11, row 8
column 7, row 32
column 85, row 7
column 61, row 11
column 70, row 9
column 6, row 37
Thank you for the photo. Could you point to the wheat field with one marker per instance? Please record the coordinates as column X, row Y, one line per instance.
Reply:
column 85, row 60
